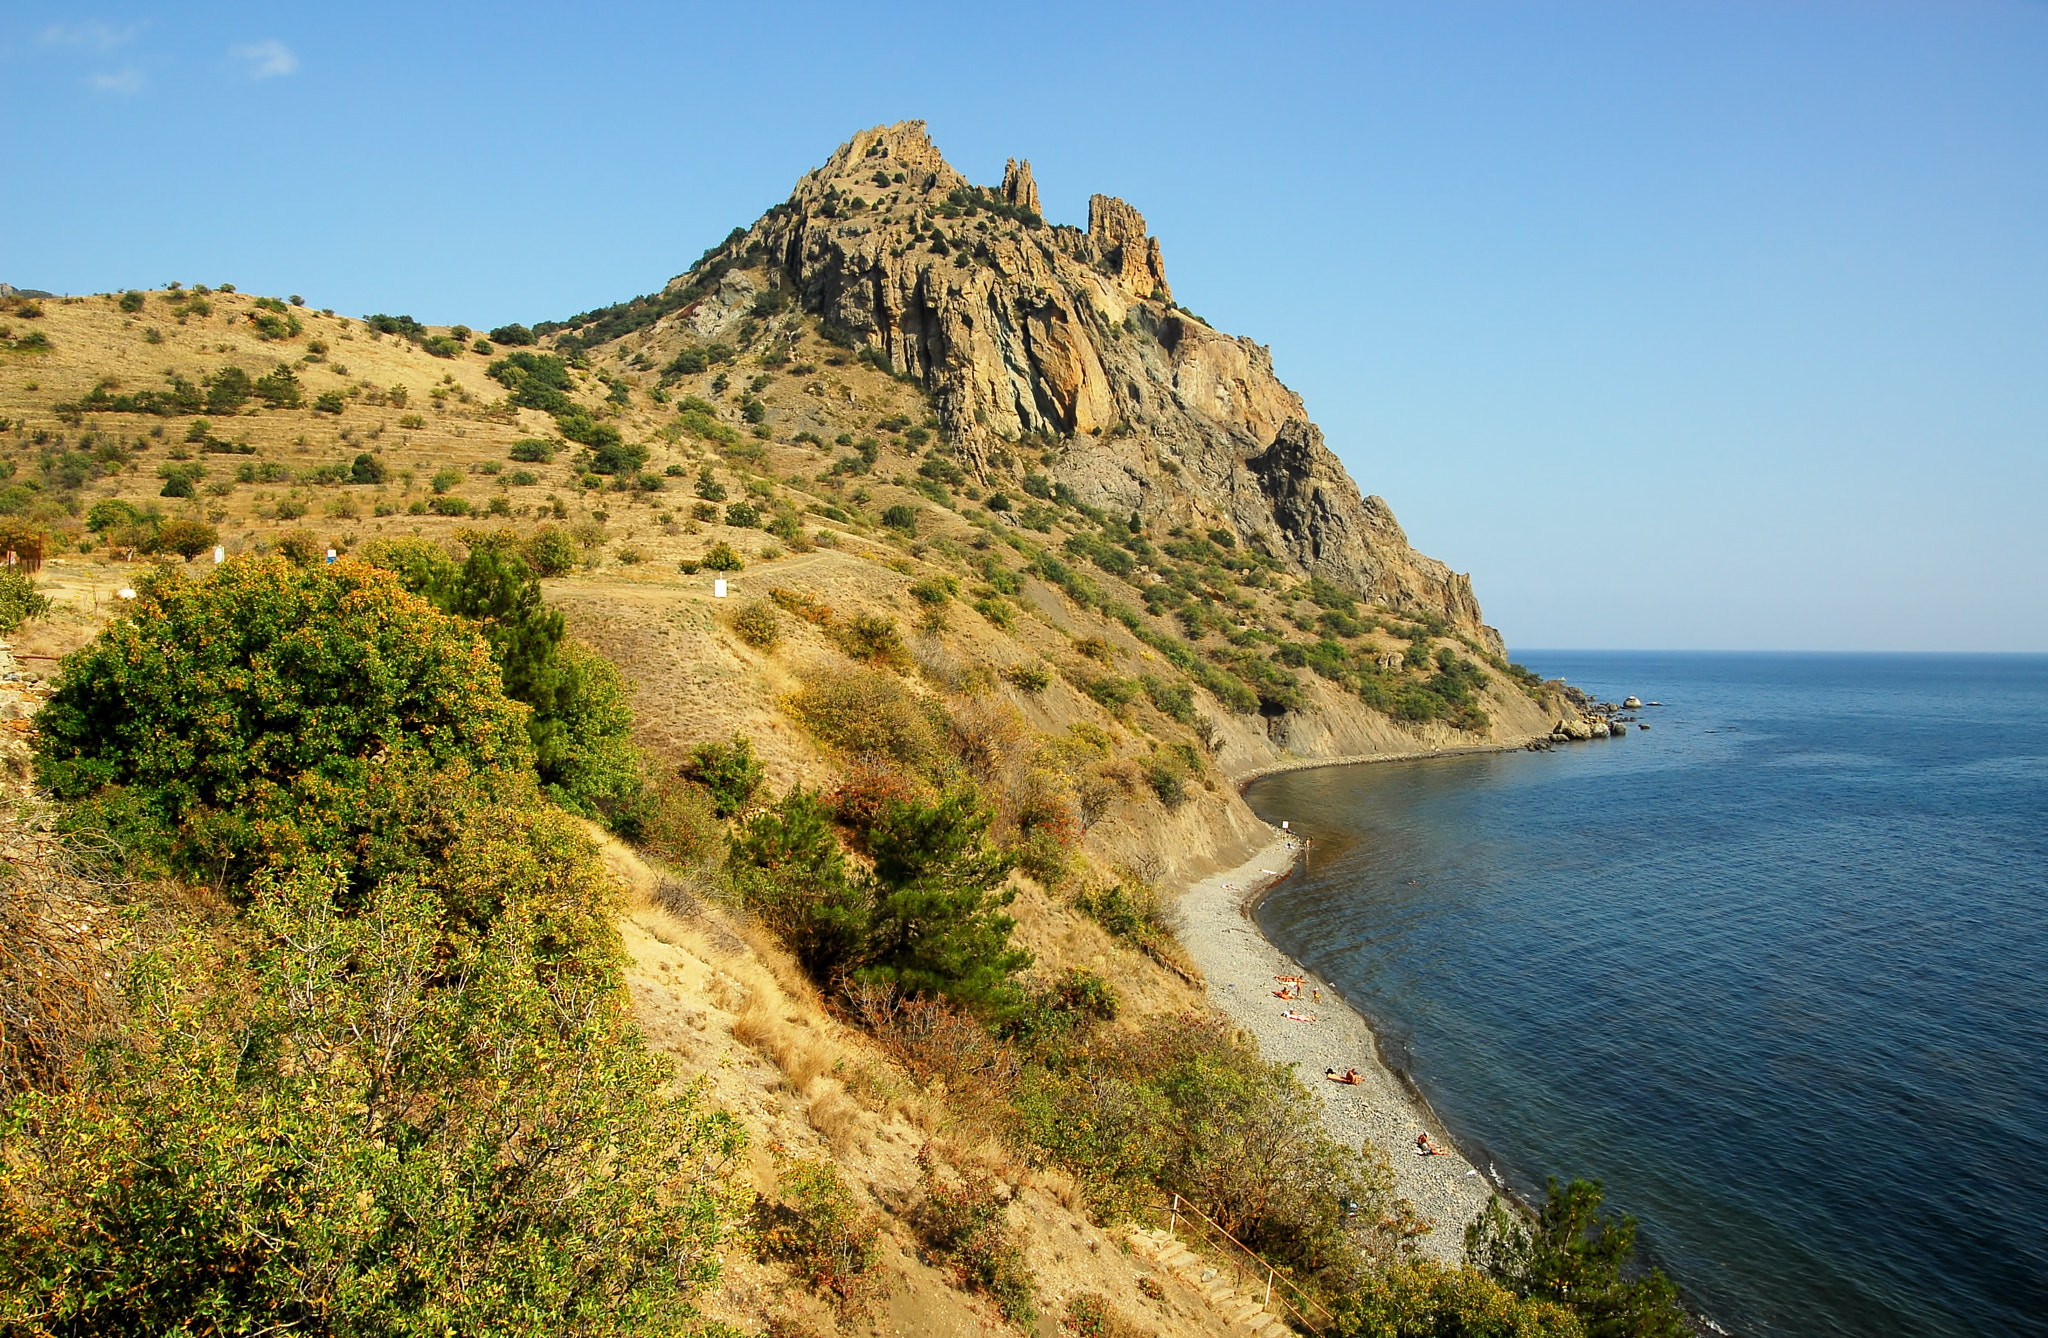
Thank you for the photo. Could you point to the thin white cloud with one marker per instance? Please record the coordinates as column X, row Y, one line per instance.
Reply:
column 120, row 83
column 268, row 59
column 92, row 35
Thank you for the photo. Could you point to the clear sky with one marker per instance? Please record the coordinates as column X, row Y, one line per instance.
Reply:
column 1691, row 325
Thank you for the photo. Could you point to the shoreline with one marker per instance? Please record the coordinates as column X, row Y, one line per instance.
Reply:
column 1384, row 1113
column 1243, row 779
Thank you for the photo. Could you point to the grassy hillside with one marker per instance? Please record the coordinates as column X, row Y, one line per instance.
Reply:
column 897, row 637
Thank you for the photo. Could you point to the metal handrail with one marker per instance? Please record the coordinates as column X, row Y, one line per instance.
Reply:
column 1180, row 1206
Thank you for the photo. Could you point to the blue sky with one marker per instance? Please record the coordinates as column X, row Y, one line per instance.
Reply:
column 1691, row 325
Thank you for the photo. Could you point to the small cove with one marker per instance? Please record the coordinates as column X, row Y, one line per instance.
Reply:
column 1770, row 970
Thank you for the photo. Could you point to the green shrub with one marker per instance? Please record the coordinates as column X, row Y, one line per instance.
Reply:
column 1424, row 1299
column 110, row 513
column 552, row 552
column 728, row 772
column 817, row 1227
column 227, row 390
column 720, row 557
column 741, row 516
column 20, row 601
column 449, row 506
column 513, row 335
column 367, row 468
column 1184, row 1104
column 901, row 518
column 299, row 547
column 756, row 624
column 279, row 389
column 1033, row 678
column 446, row 480
column 532, row 450
column 871, row 638
column 330, row 401
column 250, row 717
column 926, row 921
column 187, row 538
column 1175, row 700
column 869, row 712
column 417, row 1106
column 180, row 480
column 616, row 457
column 960, row 1222
column 131, row 301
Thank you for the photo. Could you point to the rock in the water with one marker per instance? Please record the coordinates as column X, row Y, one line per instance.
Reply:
column 1575, row 729
column 1598, row 725
column 1631, row 703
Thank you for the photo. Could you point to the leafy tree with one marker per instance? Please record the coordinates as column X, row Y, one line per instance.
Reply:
column 513, row 335
column 110, row 513
column 729, row 773
column 257, row 717
column 1574, row 1257
column 330, row 401
column 532, row 450
column 720, row 557
column 367, row 468
column 131, row 301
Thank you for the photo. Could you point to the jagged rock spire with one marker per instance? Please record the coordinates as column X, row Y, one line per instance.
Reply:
column 1018, row 187
column 1118, row 232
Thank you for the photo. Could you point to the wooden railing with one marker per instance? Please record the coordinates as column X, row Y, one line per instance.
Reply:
column 1245, row 1262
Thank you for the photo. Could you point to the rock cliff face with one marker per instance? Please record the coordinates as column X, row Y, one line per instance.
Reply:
column 1037, row 339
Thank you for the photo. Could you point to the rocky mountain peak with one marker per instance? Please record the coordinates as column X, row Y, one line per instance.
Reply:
column 1052, row 347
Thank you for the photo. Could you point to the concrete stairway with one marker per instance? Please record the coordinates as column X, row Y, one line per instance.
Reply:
column 1241, row 1306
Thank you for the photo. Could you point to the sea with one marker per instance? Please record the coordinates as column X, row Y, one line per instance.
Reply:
column 1774, row 971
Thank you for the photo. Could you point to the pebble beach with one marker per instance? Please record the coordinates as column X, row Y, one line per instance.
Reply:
column 1213, row 919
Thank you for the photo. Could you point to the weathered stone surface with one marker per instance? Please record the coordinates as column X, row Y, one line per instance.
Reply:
column 1018, row 187
column 1035, row 337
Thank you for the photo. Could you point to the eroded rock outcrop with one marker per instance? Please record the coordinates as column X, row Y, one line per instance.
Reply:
column 1033, row 338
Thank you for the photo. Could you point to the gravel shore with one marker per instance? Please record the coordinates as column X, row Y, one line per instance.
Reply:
column 1215, row 925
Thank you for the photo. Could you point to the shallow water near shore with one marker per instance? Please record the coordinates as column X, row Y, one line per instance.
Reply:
column 1775, row 970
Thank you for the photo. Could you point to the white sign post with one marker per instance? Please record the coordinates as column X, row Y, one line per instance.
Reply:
column 718, row 588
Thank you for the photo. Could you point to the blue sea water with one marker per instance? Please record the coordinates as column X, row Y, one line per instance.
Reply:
column 1775, row 971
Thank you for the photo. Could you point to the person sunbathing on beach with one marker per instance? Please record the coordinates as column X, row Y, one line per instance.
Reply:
column 1293, row 1016
column 1347, row 1076
column 1427, row 1148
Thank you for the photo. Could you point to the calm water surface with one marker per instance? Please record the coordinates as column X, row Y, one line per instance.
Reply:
column 1776, row 971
